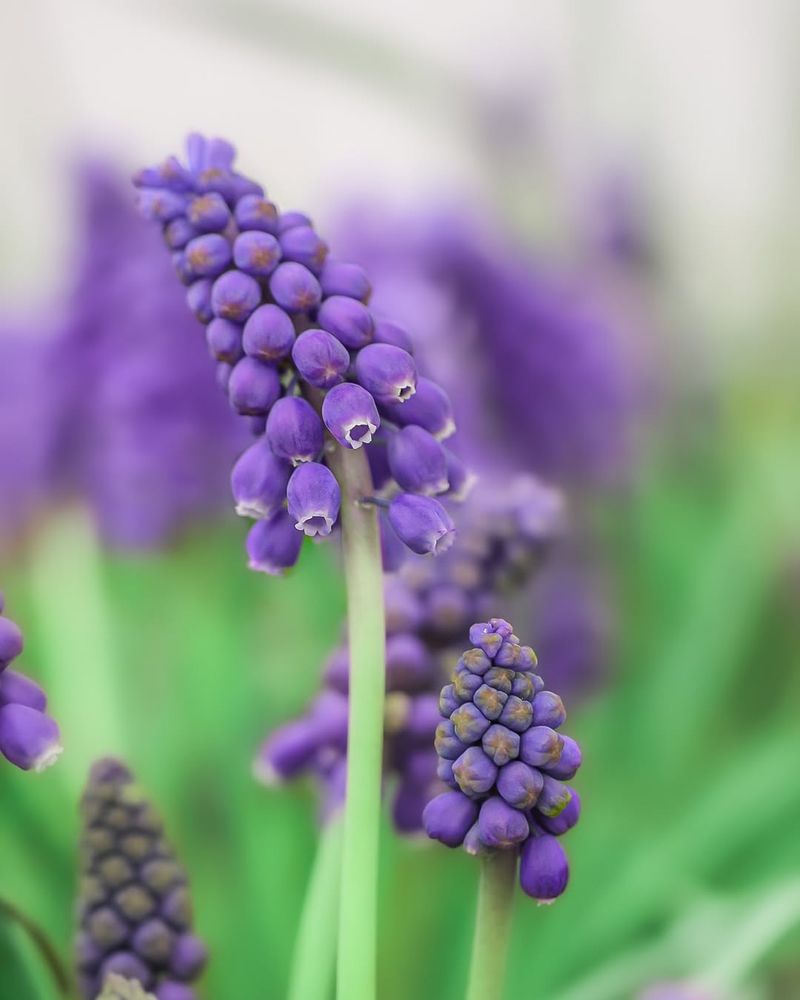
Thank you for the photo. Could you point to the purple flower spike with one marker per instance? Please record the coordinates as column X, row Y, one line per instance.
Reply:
column 347, row 319
column 350, row 414
column 258, row 481
column 254, row 212
column 448, row 817
column 224, row 340
column 338, row 278
column 256, row 253
column 209, row 213
column 17, row 689
column 234, row 296
column 253, row 387
column 388, row 372
column 11, row 641
column 29, row 739
column 295, row 288
column 320, row 358
column 422, row 523
column 389, row 332
column 301, row 244
column 543, row 869
column 268, row 334
column 294, row 430
column 313, row 497
column 429, row 407
column 500, row 825
column 417, row 461
column 273, row 546
column 208, row 256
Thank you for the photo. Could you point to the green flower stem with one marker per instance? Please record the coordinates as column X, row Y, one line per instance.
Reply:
column 311, row 975
column 42, row 943
column 366, row 628
column 492, row 925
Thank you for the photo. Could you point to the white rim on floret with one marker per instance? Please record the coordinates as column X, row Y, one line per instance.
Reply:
column 365, row 439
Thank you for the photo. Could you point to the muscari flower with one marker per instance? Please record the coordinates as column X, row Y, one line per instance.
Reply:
column 505, row 762
column 504, row 538
column 29, row 738
column 300, row 353
column 134, row 911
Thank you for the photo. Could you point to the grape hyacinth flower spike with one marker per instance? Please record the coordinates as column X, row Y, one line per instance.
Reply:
column 299, row 353
column 507, row 766
column 29, row 738
column 325, row 385
column 134, row 911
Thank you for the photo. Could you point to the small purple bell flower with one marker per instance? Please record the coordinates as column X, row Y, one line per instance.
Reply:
column 320, row 359
column 294, row 430
column 17, row 689
column 389, row 332
column 388, row 372
column 209, row 213
column 302, row 245
column 256, row 253
column 258, row 481
column 339, row 278
column 422, row 523
column 29, row 739
column 224, row 340
column 417, row 461
column 501, row 825
column 208, row 256
column 448, row 817
column 347, row 319
column 11, row 641
column 429, row 407
column 313, row 497
column 289, row 220
column 198, row 299
column 543, row 869
column 273, row 546
column 253, row 387
column 295, row 288
column 255, row 212
column 350, row 414
column 268, row 334
column 234, row 296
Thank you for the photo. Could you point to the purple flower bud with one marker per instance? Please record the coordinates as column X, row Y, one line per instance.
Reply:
column 448, row 817
column 447, row 744
column 313, row 497
column 11, row 641
column 224, row 340
column 198, row 299
column 408, row 662
column 483, row 635
column 253, row 387
column 320, row 358
column 273, row 545
column 429, row 407
column 347, row 319
column 268, row 334
column 294, row 430
column 566, row 819
column 469, row 723
column 422, row 523
column 568, row 762
column 178, row 233
column 171, row 989
column 188, row 956
column 254, row 212
column 500, row 678
column 17, row 689
column 417, row 461
column 474, row 771
column 288, row 220
column 295, row 288
column 222, row 375
column 508, row 654
column 338, row 278
column 208, row 255
column 500, row 825
column 209, row 213
column 159, row 205
column 448, row 701
column 258, row 481
column 543, row 868
column 501, row 744
column 548, row 710
column 168, row 174
column 476, row 661
column 517, row 714
column 287, row 752
column 540, row 746
column 235, row 295
column 519, row 784
column 128, row 965
column 465, row 684
column 301, row 244
column 389, row 332
column 459, row 478
column 28, row 738
column 490, row 701
column 444, row 772
column 350, row 414
column 256, row 253
column 388, row 372
column 554, row 797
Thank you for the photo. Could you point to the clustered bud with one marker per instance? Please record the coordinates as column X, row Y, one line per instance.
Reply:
column 299, row 353
column 429, row 605
column 29, row 738
column 134, row 911
column 505, row 762
column 118, row 988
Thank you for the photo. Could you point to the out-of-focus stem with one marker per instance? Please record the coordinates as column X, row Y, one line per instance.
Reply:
column 356, row 967
column 492, row 925
column 43, row 945
column 312, row 972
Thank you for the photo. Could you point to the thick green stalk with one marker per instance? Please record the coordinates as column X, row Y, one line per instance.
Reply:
column 42, row 943
column 356, row 968
column 492, row 925
column 311, row 976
